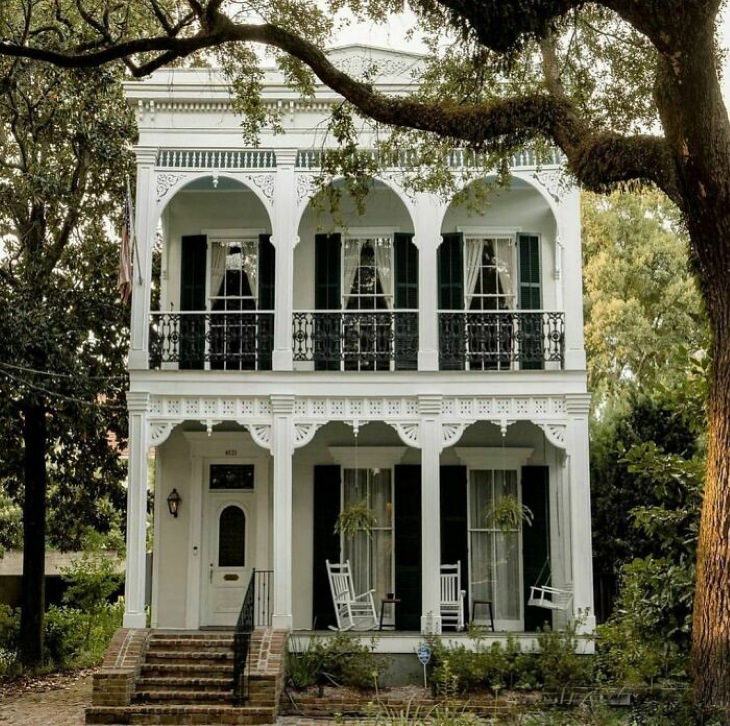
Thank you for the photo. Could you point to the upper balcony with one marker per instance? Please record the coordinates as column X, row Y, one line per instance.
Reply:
column 257, row 274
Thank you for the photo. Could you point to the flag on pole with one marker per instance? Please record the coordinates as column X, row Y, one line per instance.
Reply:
column 124, row 280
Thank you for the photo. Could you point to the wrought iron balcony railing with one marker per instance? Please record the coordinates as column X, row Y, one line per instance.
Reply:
column 356, row 340
column 218, row 340
column 501, row 339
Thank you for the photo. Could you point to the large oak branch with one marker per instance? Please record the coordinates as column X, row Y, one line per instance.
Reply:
column 596, row 160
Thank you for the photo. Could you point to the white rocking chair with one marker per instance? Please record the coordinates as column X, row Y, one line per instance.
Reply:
column 452, row 597
column 353, row 612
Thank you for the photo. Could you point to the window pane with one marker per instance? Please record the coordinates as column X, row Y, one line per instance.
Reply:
column 231, row 476
column 507, row 573
column 480, row 498
column 232, row 538
column 481, row 570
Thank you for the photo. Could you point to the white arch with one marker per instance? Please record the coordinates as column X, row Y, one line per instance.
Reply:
column 245, row 179
column 389, row 182
column 527, row 177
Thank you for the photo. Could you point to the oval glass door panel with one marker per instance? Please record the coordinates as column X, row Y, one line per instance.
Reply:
column 232, row 538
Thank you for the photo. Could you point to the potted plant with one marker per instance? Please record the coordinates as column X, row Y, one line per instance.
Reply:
column 354, row 519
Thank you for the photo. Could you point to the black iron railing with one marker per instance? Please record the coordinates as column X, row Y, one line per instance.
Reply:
column 356, row 339
column 263, row 596
column 501, row 339
column 225, row 340
column 242, row 644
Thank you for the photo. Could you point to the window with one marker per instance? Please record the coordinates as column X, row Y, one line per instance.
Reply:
column 488, row 273
column 233, row 289
column 371, row 557
column 494, row 551
column 231, row 476
column 368, row 286
column 232, row 537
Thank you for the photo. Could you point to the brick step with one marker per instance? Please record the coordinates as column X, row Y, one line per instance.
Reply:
column 191, row 634
column 188, row 644
column 214, row 698
column 194, row 670
column 200, row 657
column 189, row 683
column 201, row 715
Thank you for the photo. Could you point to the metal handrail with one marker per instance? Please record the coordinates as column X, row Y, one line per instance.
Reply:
column 242, row 644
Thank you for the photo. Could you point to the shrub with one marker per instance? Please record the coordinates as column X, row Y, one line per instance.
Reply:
column 342, row 660
column 559, row 666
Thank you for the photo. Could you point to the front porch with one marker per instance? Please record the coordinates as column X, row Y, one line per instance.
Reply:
column 431, row 497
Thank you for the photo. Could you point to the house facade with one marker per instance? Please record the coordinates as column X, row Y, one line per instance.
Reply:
column 411, row 356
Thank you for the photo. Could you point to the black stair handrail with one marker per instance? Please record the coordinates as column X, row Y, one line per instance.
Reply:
column 242, row 644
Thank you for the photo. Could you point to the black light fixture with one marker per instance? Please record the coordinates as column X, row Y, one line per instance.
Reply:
column 173, row 502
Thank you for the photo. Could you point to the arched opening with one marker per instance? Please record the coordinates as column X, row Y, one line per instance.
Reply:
column 232, row 537
column 356, row 299
column 493, row 266
column 217, row 280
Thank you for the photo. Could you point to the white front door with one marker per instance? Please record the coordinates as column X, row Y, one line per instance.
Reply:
column 229, row 531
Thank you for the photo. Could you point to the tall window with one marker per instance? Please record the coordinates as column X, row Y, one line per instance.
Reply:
column 368, row 286
column 494, row 551
column 488, row 274
column 233, row 288
column 371, row 557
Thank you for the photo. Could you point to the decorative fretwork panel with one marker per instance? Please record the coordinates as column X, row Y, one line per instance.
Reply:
column 356, row 339
column 500, row 340
column 238, row 340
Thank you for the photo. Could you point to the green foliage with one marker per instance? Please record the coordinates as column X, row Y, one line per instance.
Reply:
column 642, row 304
column 508, row 513
column 555, row 666
column 344, row 659
column 354, row 519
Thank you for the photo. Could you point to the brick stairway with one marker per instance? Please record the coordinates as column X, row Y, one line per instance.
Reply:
column 187, row 678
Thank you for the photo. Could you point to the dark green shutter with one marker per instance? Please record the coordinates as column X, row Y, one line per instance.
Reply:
column 327, row 296
column 407, row 525
column 530, row 298
column 406, row 297
column 452, row 340
column 325, row 543
column 192, row 297
column 454, row 524
column 265, row 321
column 536, row 541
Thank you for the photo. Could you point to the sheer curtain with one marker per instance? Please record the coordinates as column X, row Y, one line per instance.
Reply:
column 250, row 265
column 353, row 252
column 503, row 261
column 506, row 554
column 218, row 253
column 383, row 264
column 473, row 263
column 357, row 549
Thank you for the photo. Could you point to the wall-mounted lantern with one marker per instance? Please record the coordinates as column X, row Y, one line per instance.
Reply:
column 173, row 502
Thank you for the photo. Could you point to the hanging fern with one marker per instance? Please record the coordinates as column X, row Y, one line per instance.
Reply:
column 355, row 518
column 507, row 514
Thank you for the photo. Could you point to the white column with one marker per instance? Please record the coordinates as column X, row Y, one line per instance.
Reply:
column 572, row 265
column 134, row 583
column 282, row 449
column 142, row 258
column 580, row 511
column 430, row 439
column 284, row 238
column 429, row 211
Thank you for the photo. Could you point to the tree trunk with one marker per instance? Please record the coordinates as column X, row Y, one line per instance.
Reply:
column 34, row 537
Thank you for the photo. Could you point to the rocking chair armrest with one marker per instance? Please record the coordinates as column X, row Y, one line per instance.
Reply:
column 365, row 594
column 462, row 594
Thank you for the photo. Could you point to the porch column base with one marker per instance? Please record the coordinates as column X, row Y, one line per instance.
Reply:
column 134, row 620
column 282, row 622
column 431, row 624
column 282, row 360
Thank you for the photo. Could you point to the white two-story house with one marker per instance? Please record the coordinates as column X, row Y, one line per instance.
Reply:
column 419, row 356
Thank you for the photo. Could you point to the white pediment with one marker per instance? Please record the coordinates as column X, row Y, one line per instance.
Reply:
column 359, row 60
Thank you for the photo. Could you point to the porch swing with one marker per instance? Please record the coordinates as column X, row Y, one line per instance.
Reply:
column 547, row 597
column 543, row 595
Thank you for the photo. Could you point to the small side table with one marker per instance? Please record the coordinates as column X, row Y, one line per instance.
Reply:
column 392, row 601
column 483, row 603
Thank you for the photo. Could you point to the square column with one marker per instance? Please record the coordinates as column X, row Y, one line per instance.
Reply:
column 430, row 439
column 580, row 512
column 284, row 238
column 282, row 449
column 134, row 582
column 144, row 213
column 429, row 211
